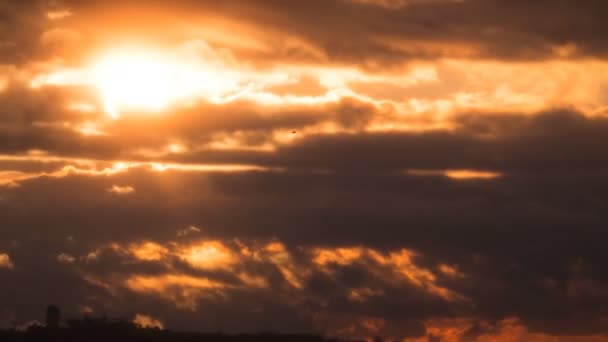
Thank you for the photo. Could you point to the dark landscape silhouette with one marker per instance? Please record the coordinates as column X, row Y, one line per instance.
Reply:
column 105, row 329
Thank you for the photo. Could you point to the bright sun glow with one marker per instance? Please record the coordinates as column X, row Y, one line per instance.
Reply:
column 133, row 82
column 139, row 81
column 151, row 81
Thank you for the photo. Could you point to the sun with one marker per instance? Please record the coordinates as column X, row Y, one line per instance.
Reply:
column 135, row 81
column 144, row 80
column 149, row 80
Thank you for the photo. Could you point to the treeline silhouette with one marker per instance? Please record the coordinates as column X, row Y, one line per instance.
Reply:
column 108, row 330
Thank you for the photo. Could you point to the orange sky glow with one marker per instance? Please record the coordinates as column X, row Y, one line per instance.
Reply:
column 423, row 170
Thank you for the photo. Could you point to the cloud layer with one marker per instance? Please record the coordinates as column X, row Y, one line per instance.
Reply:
column 427, row 170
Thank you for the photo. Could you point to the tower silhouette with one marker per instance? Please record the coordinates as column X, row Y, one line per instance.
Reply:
column 53, row 317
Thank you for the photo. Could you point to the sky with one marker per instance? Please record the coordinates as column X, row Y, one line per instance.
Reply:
column 424, row 170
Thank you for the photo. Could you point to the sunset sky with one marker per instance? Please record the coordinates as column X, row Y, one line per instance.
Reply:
column 424, row 170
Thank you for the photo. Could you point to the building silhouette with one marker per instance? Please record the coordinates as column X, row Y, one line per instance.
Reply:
column 53, row 317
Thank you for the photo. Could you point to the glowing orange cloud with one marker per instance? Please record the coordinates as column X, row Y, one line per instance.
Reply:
column 146, row 321
column 208, row 255
column 183, row 290
column 458, row 175
column 5, row 261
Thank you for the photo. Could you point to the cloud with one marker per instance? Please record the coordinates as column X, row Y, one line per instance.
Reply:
column 301, row 276
column 481, row 331
column 422, row 169
column 448, row 205
column 121, row 190
column 394, row 32
column 328, row 217
column 188, row 231
column 5, row 261
column 65, row 258
column 18, row 46
column 147, row 321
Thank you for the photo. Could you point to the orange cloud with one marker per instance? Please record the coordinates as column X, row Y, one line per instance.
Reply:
column 237, row 258
column 65, row 258
column 146, row 321
column 459, row 175
column 341, row 256
column 398, row 266
column 121, row 190
column 148, row 251
column 5, row 261
column 183, row 290
column 509, row 329
column 208, row 255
